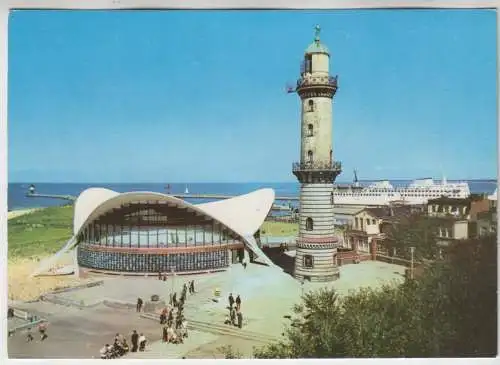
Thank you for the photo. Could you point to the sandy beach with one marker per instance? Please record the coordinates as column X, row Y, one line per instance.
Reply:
column 23, row 287
column 20, row 212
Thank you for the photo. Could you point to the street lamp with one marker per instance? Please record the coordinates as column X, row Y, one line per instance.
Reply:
column 173, row 279
column 412, row 249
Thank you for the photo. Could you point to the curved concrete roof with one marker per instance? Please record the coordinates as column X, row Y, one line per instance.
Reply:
column 243, row 214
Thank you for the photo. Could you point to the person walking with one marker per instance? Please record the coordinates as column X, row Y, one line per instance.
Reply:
column 42, row 328
column 231, row 300
column 240, row 319
column 139, row 304
column 29, row 336
column 134, row 340
column 142, row 342
column 238, row 302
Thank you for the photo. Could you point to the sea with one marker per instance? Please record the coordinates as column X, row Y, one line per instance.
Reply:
column 17, row 198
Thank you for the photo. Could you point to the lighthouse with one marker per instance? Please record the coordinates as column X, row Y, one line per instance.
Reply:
column 316, row 253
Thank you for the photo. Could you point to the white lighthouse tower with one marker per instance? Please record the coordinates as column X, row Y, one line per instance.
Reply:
column 317, row 244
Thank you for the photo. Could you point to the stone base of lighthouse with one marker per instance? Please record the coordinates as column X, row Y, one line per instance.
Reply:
column 324, row 266
column 316, row 252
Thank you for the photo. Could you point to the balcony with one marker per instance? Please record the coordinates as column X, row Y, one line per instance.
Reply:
column 309, row 80
column 334, row 166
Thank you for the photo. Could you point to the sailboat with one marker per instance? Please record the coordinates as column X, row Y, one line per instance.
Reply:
column 186, row 191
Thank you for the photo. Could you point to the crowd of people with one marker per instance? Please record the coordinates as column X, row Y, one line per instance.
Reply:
column 172, row 319
column 120, row 346
column 235, row 317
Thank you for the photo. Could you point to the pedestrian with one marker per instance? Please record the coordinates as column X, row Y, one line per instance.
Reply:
column 192, row 286
column 29, row 336
column 244, row 263
column 240, row 319
column 170, row 317
column 231, row 300
column 232, row 314
column 164, row 277
column 159, row 275
column 165, row 334
column 142, row 342
column 238, row 302
column 174, row 299
column 139, row 304
column 134, row 340
column 163, row 318
column 42, row 328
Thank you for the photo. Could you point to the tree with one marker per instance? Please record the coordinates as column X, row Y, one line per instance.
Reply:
column 417, row 231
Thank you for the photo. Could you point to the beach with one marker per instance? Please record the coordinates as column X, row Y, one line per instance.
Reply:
column 19, row 269
column 24, row 287
column 20, row 212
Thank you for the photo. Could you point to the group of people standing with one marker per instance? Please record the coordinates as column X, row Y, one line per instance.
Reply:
column 172, row 318
column 120, row 346
column 235, row 316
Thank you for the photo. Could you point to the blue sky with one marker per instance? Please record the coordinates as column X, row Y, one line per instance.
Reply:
column 199, row 96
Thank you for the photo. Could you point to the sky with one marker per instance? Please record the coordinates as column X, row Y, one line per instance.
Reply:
column 199, row 96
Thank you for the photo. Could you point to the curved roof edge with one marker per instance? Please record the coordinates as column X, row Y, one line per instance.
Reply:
column 243, row 214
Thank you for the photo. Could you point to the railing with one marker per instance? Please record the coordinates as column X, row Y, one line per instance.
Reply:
column 305, row 166
column 309, row 80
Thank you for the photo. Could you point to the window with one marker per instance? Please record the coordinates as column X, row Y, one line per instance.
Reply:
column 356, row 223
column 310, row 130
column 373, row 221
column 310, row 105
column 310, row 156
column 308, row 63
column 309, row 224
column 308, row 261
column 367, row 222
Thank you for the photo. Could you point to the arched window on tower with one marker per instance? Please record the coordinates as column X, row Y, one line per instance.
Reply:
column 310, row 105
column 310, row 129
column 308, row 63
column 309, row 224
column 310, row 156
column 308, row 261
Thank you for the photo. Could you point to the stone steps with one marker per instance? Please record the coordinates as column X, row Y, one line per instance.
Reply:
column 221, row 329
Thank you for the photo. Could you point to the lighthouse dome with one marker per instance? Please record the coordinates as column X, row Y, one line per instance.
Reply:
column 317, row 47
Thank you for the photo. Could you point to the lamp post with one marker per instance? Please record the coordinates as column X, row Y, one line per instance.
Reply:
column 412, row 249
column 173, row 279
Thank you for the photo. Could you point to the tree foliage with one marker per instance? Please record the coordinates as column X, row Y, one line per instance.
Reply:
column 417, row 231
column 450, row 311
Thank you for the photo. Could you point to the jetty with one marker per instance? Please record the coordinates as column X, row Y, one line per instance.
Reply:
column 70, row 198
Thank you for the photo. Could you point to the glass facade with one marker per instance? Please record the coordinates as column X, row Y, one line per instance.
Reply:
column 142, row 226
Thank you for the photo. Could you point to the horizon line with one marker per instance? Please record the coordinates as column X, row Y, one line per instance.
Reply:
column 239, row 182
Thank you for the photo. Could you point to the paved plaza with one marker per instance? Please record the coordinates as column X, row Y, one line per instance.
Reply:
column 267, row 295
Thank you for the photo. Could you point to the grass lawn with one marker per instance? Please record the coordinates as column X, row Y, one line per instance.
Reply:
column 284, row 229
column 39, row 233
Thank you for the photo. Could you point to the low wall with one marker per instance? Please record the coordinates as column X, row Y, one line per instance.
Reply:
column 396, row 260
column 345, row 257
column 77, row 287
